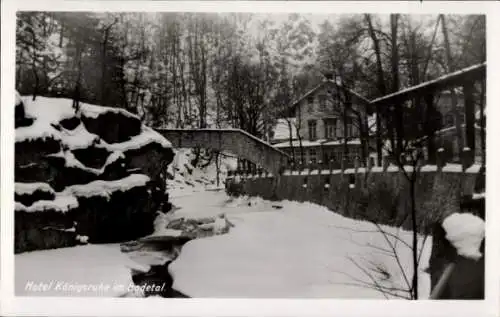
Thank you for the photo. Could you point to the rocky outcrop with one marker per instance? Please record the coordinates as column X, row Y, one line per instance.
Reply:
column 92, row 174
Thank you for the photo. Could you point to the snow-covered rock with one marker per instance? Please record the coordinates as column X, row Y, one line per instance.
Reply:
column 465, row 232
column 97, row 166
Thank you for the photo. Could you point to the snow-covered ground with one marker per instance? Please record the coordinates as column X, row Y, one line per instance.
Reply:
column 292, row 250
column 83, row 271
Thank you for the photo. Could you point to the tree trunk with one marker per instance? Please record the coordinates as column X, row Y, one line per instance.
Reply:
column 454, row 101
column 398, row 111
column 380, row 84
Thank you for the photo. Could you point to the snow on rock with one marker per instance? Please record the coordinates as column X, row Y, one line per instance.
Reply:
column 30, row 188
column 82, row 239
column 83, row 129
column 50, row 111
column 93, row 111
column 62, row 203
column 47, row 112
column 106, row 188
column 84, row 271
column 78, row 138
column 465, row 232
column 302, row 250
column 147, row 136
column 71, row 161
column 167, row 232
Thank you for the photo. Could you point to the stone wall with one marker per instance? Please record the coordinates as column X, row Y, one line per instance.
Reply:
column 376, row 195
column 382, row 195
column 92, row 174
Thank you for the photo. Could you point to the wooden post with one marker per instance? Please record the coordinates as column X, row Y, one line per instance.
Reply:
column 430, row 127
column 470, row 131
column 385, row 163
column 467, row 158
column 369, row 165
column 440, row 159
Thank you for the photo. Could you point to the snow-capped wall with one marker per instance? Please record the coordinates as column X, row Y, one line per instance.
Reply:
column 378, row 195
column 93, row 172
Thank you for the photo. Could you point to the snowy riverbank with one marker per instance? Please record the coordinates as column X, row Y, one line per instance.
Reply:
column 273, row 249
column 292, row 250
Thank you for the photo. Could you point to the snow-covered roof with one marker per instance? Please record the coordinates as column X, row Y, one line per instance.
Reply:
column 341, row 142
column 443, row 81
column 297, row 143
column 336, row 84
column 319, row 142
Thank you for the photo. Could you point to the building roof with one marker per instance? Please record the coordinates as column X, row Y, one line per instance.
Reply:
column 307, row 94
column 319, row 142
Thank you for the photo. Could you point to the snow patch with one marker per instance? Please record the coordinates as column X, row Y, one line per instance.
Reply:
column 30, row 188
column 62, row 203
column 466, row 233
column 146, row 137
column 106, row 188
column 82, row 239
column 479, row 195
column 167, row 232
column 302, row 250
column 47, row 112
column 84, row 271
column 93, row 111
column 78, row 138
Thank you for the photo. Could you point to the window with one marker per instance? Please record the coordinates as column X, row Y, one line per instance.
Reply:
column 312, row 130
column 330, row 128
column 313, row 156
column 310, row 103
column 322, row 102
column 349, row 128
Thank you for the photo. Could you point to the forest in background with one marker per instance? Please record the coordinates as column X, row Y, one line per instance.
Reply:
column 237, row 70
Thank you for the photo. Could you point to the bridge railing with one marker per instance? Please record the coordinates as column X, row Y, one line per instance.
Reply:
column 465, row 79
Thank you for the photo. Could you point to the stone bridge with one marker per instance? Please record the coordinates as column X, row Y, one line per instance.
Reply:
column 236, row 141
